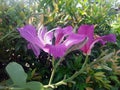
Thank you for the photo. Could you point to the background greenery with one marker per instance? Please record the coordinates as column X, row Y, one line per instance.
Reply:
column 51, row 13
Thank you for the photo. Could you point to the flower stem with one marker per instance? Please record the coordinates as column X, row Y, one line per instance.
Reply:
column 78, row 72
column 64, row 81
column 51, row 77
column 54, row 69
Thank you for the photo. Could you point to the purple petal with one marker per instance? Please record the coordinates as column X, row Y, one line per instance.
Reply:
column 77, row 46
column 29, row 33
column 35, row 49
column 73, row 39
column 108, row 38
column 87, row 30
column 48, row 37
column 57, row 50
column 67, row 30
column 41, row 33
column 45, row 36
column 102, row 39
column 88, row 50
column 60, row 33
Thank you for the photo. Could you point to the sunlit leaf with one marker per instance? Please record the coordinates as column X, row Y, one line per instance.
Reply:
column 16, row 73
column 33, row 85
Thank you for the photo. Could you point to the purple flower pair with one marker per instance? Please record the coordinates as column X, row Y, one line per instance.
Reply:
column 56, row 42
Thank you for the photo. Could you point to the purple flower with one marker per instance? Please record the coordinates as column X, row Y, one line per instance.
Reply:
column 30, row 34
column 55, row 42
column 88, row 30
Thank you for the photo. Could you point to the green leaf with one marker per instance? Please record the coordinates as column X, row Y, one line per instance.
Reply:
column 48, row 89
column 106, row 67
column 114, row 88
column 99, row 74
column 16, row 73
column 108, row 56
column 34, row 85
column 11, row 88
column 115, row 79
column 77, row 61
column 14, row 88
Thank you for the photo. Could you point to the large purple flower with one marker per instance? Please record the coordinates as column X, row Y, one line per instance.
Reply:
column 30, row 34
column 55, row 42
column 88, row 30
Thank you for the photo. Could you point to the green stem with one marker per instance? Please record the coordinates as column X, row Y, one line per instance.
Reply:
column 6, row 35
column 64, row 81
column 53, row 62
column 78, row 72
column 54, row 69
column 51, row 77
column 101, row 58
column 55, row 85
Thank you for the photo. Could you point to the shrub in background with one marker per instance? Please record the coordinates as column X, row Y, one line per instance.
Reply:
column 52, row 13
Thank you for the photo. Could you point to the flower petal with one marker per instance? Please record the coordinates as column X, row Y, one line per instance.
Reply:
column 77, row 46
column 87, row 30
column 45, row 36
column 88, row 50
column 60, row 33
column 57, row 50
column 73, row 39
column 41, row 33
column 48, row 37
column 35, row 49
column 29, row 33
column 108, row 38
column 103, row 40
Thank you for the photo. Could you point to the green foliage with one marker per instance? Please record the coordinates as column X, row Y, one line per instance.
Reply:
column 15, row 70
column 19, row 77
column 116, row 29
column 101, row 75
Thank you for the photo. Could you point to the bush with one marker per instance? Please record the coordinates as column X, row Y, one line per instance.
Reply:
column 101, row 72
